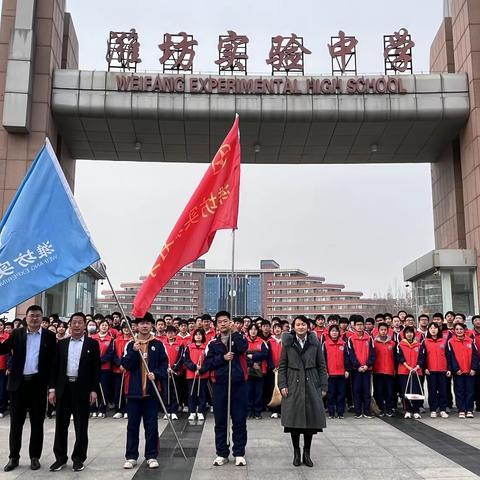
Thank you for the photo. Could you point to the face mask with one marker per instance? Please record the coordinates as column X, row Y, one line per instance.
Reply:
column 91, row 329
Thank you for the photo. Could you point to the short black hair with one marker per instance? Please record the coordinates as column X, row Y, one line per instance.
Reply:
column 207, row 316
column 320, row 315
column 148, row 317
column 343, row 320
column 265, row 322
column 438, row 315
column 78, row 314
column 98, row 316
column 302, row 318
column 370, row 320
column 382, row 324
column 221, row 313
column 34, row 308
column 461, row 315
column 170, row 328
column 450, row 313
column 475, row 317
column 423, row 315
column 379, row 315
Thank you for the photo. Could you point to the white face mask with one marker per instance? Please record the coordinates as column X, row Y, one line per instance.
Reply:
column 91, row 329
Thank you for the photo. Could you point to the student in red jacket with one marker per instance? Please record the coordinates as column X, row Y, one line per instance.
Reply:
column 463, row 362
column 362, row 356
column 320, row 329
column 105, row 341
column 274, row 350
column 337, row 362
column 3, row 371
column 409, row 357
column 174, row 350
column 436, row 370
column 257, row 355
column 119, row 348
column 193, row 358
column 475, row 334
column 384, row 370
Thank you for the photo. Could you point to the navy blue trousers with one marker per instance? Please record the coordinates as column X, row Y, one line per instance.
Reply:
column 197, row 399
column 3, row 391
column 337, row 387
column 255, row 396
column 412, row 406
column 105, row 383
column 238, row 413
column 168, row 394
column 437, row 391
column 361, row 392
column 464, row 388
column 138, row 409
column 383, row 392
column 120, row 406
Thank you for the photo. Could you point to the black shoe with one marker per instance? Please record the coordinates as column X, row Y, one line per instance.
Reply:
column 306, row 458
column 12, row 464
column 296, row 457
column 57, row 465
column 34, row 464
column 78, row 466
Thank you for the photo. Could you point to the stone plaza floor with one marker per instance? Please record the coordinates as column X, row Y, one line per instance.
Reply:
column 348, row 449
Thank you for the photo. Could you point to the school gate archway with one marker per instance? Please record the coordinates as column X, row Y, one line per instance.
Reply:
column 110, row 116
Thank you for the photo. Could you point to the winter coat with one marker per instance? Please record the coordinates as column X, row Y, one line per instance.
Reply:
column 304, row 373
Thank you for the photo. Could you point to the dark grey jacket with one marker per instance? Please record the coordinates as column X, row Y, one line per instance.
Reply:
column 304, row 373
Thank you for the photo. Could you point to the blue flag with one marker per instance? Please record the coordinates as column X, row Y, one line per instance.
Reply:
column 43, row 238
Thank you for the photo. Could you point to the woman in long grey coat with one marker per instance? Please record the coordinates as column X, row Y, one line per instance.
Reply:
column 302, row 379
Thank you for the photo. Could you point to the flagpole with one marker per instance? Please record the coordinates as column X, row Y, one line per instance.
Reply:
column 229, row 396
column 154, row 385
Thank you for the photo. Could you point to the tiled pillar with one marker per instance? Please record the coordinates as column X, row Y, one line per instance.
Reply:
column 56, row 46
column 466, row 49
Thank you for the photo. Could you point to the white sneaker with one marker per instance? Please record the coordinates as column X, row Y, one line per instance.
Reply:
column 417, row 416
column 219, row 461
column 433, row 414
column 129, row 464
column 101, row 415
column 192, row 416
column 125, row 415
column 211, row 409
column 274, row 415
column 173, row 416
column 94, row 415
column 200, row 416
column 469, row 414
column 444, row 414
column 407, row 415
column 240, row 461
column 152, row 463
column 165, row 417
column 117, row 415
column 1, row 415
column 185, row 409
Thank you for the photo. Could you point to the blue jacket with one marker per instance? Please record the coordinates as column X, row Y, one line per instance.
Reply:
column 157, row 363
column 215, row 361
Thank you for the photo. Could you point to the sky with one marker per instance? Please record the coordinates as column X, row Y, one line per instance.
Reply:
column 358, row 225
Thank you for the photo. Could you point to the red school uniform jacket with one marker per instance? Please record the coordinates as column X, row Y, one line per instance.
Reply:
column 462, row 355
column 106, row 350
column 361, row 351
column 184, row 340
column 384, row 356
column 194, row 355
column 336, row 356
column 174, row 351
column 410, row 353
column 119, row 345
column 259, row 349
column 275, row 350
column 3, row 358
column 435, row 352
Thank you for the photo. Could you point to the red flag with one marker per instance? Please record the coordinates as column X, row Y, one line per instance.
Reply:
column 213, row 206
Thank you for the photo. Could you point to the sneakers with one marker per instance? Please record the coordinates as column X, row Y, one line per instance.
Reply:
column 240, row 461
column 407, row 415
column 185, row 409
column 367, row 415
column 94, row 415
column 219, row 461
column 256, row 417
column 129, row 464
column 211, row 409
column 165, row 417
column 200, row 417
column 461, row 415
column 358, row 416
column 390, row 414
column 469, row 414
column 1, row 415
column 117, row 415
column 274, row 415
column 57, row 465
column 417, row 416
column 152, row 463
column 78, row 466
column 433, row 414
column 101, row 415
column 192, row 416
column 340, row 417
column 444, row 414
column 331, row 417
column 125, row 415
column 173, row 416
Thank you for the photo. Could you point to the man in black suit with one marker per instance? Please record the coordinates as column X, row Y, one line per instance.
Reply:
column 74, row 387
column 33, row 353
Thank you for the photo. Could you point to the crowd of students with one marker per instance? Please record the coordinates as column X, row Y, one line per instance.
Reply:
column 397, row 357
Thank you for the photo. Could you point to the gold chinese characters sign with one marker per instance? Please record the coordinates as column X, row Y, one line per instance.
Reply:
column 261, row 85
